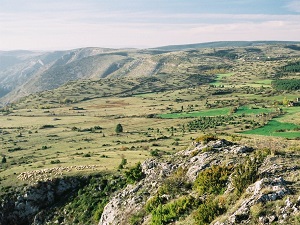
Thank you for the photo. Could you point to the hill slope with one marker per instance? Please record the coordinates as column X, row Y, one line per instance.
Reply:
column 204, row 185
column 25, row 72
column 222, row 44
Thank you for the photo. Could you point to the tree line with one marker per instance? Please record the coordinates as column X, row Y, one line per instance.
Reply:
column 286, row 84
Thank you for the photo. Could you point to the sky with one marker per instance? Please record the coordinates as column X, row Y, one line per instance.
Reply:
column 69, row 24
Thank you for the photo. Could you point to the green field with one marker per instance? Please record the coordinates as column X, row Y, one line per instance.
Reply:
column 56, row 128
column 211, row 112
column 216, row 112
column 220, row 78
column 278, row 129
column 252, row 110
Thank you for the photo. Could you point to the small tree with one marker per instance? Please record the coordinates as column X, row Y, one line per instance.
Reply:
column 119, row 128
column 3, row 159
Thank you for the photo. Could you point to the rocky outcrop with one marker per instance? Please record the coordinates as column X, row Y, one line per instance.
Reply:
column 263, row 190
column 271, row 185
column 27, row 206
column 276, row 183
column 194, row 159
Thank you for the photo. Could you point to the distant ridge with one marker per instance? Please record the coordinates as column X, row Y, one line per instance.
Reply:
column 25, row 72
column 220, row 44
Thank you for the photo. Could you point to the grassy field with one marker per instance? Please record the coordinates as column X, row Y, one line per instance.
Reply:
column 217, row 112
column 75, row 124
column 33, row 138
column 253, row 110
column 221, row 79
column 211, row 112
column 277, row 129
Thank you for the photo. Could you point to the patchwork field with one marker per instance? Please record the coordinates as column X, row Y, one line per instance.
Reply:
column 278, row 129
column 75, row 124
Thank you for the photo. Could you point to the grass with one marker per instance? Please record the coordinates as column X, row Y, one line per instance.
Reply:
column 216, row 112
column 220, row 78
column 264, row 82
column 252, row 110
column 210, row 112
column 277, row 129
column 133, row 102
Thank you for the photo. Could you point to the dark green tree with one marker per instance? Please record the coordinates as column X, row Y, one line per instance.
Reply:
column 3, row 159
column 119, row 128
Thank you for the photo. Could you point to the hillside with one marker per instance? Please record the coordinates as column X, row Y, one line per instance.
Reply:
column 25, row 72
column 202, row 130
column 210, row 182
column 224, row 44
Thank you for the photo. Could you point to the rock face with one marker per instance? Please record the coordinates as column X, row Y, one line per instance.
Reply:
column 27, row 206
column 270, row 187
column 276, row 188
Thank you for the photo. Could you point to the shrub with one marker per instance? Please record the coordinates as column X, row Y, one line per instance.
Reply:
column 246, row 173
column 3, row 159
column 15, row 149
column 119, row 128
column 172, row 211
column 206, row 138
column 55, row 161
column 212, row 180
column 154, row 152
column 135, row 173
column 207, row 149
column 86, row 207
column 137, row 218
column 208, row 211
column 175, row 183
column 47, row 126
column 123, row 163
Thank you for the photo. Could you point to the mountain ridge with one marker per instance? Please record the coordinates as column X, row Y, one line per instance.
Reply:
column 26, row 72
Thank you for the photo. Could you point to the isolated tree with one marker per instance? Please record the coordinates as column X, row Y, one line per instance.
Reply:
column 3, row 159
column 119, row 128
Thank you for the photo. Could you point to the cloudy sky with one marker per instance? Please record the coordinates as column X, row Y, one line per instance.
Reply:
column 67, row 24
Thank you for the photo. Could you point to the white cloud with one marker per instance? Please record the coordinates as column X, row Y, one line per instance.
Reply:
column 294, row 6
column 82, row 27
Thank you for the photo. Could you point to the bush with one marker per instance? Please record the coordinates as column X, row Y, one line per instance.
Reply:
column 122, row 164
column 246, row 173
column 47, row 126
column 15, row 149
column 175, row 183
column 172, row 211
column 137, row 218
column 208, row 211
column 154, row 152
column 134, row 174
column 212, row 180
column 87, row 206
column 55, row 161
column 119, row 128
column 206, row 138
column 3, row 159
